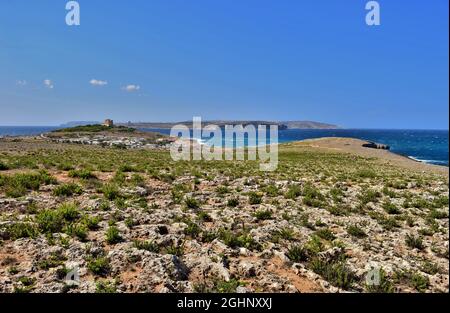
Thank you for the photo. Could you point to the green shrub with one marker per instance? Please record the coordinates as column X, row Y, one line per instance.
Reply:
column 366, row 173
column 21, row 230
column 17, row 185
column 91, row 222
column 99, row 266
column 3, row 167
column 390, row 208
column 110, row 191
column 192, row 229
column 263, row 215
column 325, row 233
column 271, row 190
column 69, row 211
column 297, row 254
column 113, row 235
column 146, row 245
column 356, row 231
column 67, row 190
column 77, row 230
column 293, row 192
column 177, row 250
column 254, row 198
column 83, row 174
column 205, row 217
column 233, row 202
column 369, row 195
column 222, row 190
column 414, row 242
column 50, row 221
column 192, row 203
column 105, row 287
column 334, row 271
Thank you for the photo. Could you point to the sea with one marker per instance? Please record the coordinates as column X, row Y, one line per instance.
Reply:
column 429, row 146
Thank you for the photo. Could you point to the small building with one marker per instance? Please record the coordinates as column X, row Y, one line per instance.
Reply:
column 108, row 123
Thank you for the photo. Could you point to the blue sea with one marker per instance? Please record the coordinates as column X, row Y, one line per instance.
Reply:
column 430, row 146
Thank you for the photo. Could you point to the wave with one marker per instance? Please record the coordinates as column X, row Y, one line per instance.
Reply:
column 427, row 161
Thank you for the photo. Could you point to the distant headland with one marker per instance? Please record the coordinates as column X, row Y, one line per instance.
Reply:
column 220, row 123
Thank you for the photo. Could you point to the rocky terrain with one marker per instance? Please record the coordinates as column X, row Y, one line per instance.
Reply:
column 87, row 218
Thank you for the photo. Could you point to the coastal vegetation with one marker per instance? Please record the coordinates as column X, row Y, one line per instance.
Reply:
column 135, row 217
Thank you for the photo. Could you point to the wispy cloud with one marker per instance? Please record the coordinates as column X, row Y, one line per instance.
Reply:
column 48, row 83
column 96, row 82
column 131, row 88
column 21, row 83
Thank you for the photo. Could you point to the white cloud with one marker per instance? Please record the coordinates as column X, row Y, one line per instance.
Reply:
column 21, row 83
column 96, row 82
column 131, row 88
column 48, row 83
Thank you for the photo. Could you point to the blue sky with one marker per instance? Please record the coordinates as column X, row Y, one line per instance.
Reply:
column 249, row 59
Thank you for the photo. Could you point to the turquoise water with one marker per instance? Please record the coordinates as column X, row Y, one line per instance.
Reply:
column 430, row 146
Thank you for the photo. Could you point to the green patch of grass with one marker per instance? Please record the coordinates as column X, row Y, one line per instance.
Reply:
column 415, row 280
column 356, row 231
column 438, row 214
column 325, row 234
column 262, row 215
column 54, row 260
column 69, row 211
column 391, row 208
column 284, row 233
column 414, row 242
column 204, row 217
column 335, row 272
column 18, row 185
column 233, row 202
column 20, row 230
column 27, row 284
column 3, row 167
column 366, row 173
column 369, row 195
column 234, row 240
column 104, row 286
column 91, row 222
column 113, row 235
column 293, row 192
column 429, row 267
column 175, row 249
column 110, row 191
column 297, row 254
column 50, row 221
column 146, row 245
column 67, row 190
column 192, row 229
column 271, row 190
column 192, row 203
column 222, row 190
column 99, row 266
column 254, row 198
column 218, row 286
column 77, row 230
column 83, row 174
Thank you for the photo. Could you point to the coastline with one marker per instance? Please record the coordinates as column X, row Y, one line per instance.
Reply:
column 355, row 146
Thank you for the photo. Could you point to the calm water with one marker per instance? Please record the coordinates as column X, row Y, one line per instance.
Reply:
column 429, row 146
column 24, row 130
